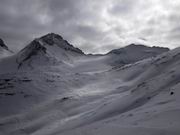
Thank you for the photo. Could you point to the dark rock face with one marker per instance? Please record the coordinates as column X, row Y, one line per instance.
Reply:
column 172, row 93
column 2, row 44
column 31, row 50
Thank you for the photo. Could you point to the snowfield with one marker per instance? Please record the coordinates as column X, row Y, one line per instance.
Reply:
column 53, row 88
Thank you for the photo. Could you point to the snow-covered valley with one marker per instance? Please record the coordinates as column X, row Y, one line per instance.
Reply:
column 52, row 88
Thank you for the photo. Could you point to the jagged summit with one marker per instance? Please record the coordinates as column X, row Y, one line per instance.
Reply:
column 55, row 39
column 50, row 38
column 51, row 42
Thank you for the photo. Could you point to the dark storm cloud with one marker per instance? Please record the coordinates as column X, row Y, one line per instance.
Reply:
column 94, row 26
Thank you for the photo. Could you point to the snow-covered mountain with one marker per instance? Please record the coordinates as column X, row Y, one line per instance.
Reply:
column 47, row 49
column 133, row 53
column 50, row 49
column 4, row 50
column 47, row 89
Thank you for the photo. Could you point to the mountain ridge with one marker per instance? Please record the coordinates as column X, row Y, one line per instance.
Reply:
column 135, row 46
column 52, row 39
column 52, row 49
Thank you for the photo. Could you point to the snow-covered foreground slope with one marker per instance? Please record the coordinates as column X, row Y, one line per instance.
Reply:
column 43, row 92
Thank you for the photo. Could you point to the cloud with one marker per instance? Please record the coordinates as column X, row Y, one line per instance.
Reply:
column 94, row 26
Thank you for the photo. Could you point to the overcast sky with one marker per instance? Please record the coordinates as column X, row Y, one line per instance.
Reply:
column 92, row 25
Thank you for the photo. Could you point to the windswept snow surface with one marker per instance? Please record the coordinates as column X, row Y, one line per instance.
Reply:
column 47, row 89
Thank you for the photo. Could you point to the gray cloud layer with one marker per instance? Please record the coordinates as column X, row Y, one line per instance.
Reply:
column 92, row 25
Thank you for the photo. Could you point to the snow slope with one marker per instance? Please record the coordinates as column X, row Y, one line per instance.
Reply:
column 77, row 94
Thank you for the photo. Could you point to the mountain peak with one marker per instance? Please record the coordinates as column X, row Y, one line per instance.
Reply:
column 48, row 49
column 51, row 39
column 133, row 53
column 52, row 35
